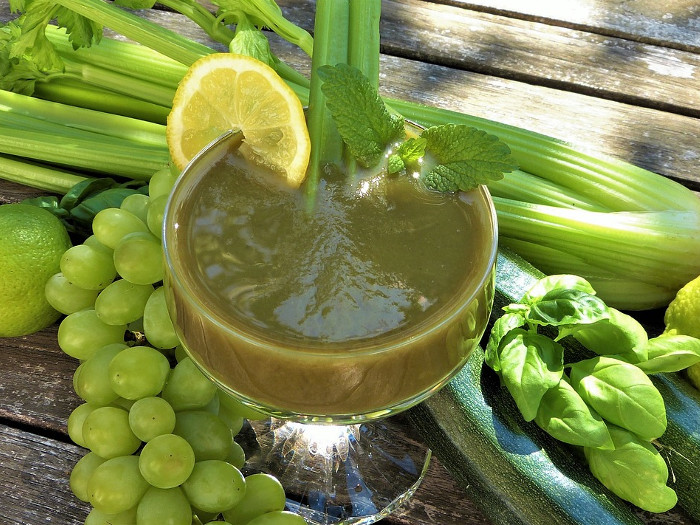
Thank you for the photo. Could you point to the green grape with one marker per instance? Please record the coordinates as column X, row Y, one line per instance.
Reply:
column 87, row 267
column 187, row 388
column 66, row 297
column 112, row 224
column 235, row 407
column 81, row 474
column 92, row 377
column 75, row 422
column 217, row 522
column 214, row 486
column 122, row 302
column 157, row 325
column 236, row 456
column 150, row 417
column 263, row 494
column 92, row 242
column 126, row 404
column 164, row 507
column 107, row 433
column 156, row 213
column 82, row 333
column 97, row 517
column 137, row 203
column 139, row 371
column 233, row 421
column 138, row 258
column 209, row 437
column 203, row 516
column 161, row 183
column 117, row 485
column 212, row 406
column 166, row 461
column 180, row 353
column 278, row 517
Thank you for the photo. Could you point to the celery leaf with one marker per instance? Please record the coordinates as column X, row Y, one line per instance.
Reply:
column 30, row 43
column 465, row 157
column 250, row 41
column 362, row 119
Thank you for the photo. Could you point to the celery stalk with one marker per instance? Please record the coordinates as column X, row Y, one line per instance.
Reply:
column 330, row 48
column 74, row 92
column 363, row 48
column 128, row 160
column 37, row 176
column 158, row 38
column 103, row 124
column 135, row 60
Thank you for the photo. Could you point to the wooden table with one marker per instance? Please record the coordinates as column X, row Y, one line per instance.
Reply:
column 613, row 76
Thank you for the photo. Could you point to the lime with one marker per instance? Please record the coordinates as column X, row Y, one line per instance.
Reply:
column 32, row 241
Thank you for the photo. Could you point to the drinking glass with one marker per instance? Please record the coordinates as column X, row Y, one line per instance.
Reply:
column 332, row 436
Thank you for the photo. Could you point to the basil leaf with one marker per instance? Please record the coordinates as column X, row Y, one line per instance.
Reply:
column 622, row 394
column 634, row 470
column 555, row 282
column 501, row 327
column 621, row 335
column 530, row 364
column 564, row 306
column 670, row 353
column 566, row 417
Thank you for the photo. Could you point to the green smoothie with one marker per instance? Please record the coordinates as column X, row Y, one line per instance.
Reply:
column 356, row 307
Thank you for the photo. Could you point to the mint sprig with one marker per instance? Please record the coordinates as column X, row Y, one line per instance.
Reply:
column 449, row 157
column 362, row 119
column 407, row 155
column 465, row 157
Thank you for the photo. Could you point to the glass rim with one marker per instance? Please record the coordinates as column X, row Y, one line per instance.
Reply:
column 216, row 150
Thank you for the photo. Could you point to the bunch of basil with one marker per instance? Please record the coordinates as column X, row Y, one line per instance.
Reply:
column 606, row 404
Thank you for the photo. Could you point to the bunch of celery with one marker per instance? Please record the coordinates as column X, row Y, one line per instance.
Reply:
column 633, row 234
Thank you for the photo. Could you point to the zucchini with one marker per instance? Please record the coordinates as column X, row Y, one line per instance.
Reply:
column 475, row 429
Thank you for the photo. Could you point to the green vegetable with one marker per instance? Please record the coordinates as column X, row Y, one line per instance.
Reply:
column 565, row 416
column 599, row 392
column 530, row 364
column 621, row 393
column 670, row 353
column 619, row 334
column 477, row 432
column 634, row 470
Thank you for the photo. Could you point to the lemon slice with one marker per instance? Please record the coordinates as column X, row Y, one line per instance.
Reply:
column 225, row 91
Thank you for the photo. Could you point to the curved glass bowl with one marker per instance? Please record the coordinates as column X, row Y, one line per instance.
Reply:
column 335, row 382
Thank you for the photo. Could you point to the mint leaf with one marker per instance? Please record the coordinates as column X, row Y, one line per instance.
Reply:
column 360, row 116
column 412, row 150
column 395, row 164
column 465, row 157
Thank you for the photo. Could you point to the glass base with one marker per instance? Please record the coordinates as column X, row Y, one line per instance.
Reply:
column 348, row 474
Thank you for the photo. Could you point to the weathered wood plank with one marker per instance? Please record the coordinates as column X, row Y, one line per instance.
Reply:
column 672, row 24
column 536, row 53
column 582, row 61
column 34, row 477
column 36, row 377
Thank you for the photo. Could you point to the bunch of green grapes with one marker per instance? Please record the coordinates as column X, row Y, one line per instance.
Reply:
column 159, row 434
